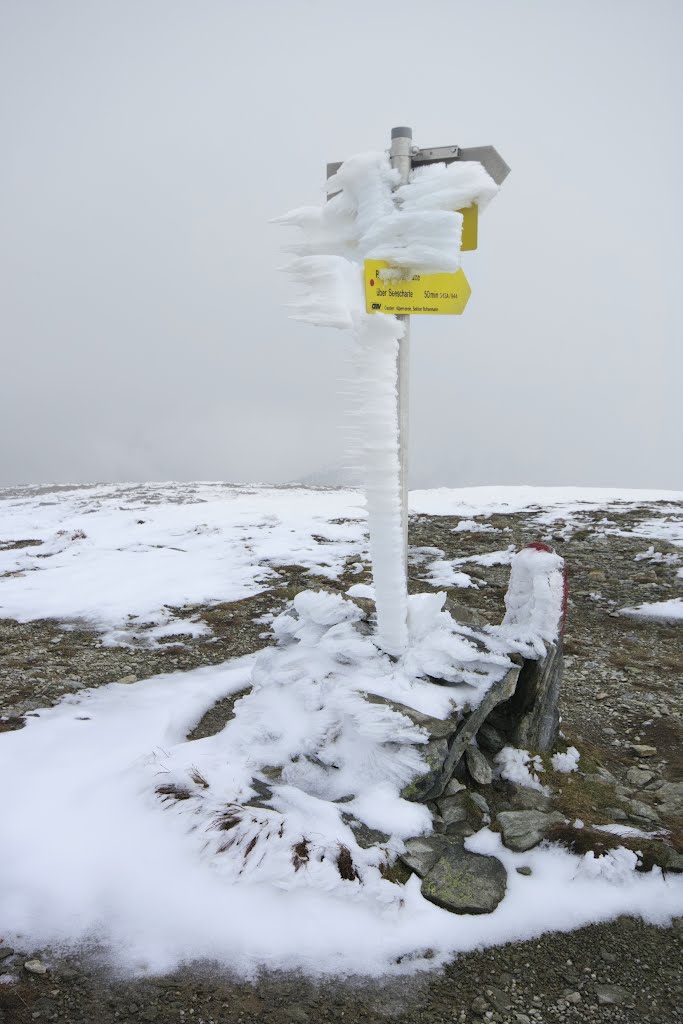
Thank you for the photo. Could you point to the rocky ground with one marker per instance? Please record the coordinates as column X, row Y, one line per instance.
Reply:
column 621, row 706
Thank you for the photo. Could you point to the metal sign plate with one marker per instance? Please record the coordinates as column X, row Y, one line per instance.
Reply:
column 470, row 228
column 487, row 156
column 422, row 293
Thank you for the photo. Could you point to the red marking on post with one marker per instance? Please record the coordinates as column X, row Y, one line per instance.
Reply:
column 372, row 282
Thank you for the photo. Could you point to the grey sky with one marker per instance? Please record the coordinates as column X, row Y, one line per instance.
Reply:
column 146, row 144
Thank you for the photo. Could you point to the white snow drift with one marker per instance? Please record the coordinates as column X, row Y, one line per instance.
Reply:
column 92, row 851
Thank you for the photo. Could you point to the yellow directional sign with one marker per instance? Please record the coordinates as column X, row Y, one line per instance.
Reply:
column 422, row 293
column 470, row 227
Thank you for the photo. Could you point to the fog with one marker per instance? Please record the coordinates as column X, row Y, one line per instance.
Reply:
column 143, row 314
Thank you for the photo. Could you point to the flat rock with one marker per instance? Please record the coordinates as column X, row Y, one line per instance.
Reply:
column 434, row 753
column 523, row 830
column 35, row 967
column 641, row 810
column 478, row 767
column 613, row 995
column 524, row 798
column 464, row 615
column 499, row 1000
column 639, row 777
column 669, row 799
column 462, row 807
column 438, row 728
column 465, row 883
column 643, row 750
column 422, row 853
column 670, row 859
column 365, row 836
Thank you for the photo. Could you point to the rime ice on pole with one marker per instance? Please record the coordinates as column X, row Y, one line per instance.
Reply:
column 416, row 228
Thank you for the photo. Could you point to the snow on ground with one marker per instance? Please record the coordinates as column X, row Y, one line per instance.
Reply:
column 486, row 501
column 90, row 852
column 123, row 555
column 664, row 611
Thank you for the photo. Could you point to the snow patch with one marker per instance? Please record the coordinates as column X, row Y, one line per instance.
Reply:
column 662, row 611
column 566, row 762
column 521, row 767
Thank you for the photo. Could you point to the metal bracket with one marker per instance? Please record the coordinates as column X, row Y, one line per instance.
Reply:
column 487, row 156
column 436, row 155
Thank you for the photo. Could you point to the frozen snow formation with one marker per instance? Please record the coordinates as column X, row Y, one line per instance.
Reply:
column 273, row 843
column 319, row 751
column 322, row 773
column 535, row 599
column 416, row 228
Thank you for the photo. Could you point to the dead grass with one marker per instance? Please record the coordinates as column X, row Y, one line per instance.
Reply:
column 198, row 778
column 300, row 854
column 171, row 792
column 345, row 865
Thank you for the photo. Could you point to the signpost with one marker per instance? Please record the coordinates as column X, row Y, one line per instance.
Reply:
column 422, row 293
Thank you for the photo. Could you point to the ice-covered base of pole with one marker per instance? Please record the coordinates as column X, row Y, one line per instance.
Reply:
column 376, row 359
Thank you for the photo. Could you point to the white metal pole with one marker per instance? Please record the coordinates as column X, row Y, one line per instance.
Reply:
column 401, row 160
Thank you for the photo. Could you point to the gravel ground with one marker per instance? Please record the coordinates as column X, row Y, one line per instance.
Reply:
column 622, row 692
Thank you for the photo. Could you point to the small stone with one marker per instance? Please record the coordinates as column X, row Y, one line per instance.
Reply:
column 35, row 967
column 297, row 1015
column 463, row 810
column 478, row 766
column 490, row 739
column 498, row 999
column 479, row 1005
column 367, row 837
column 521, row 1018
column 616, row 813
column 5, row 951
column 670, row 799
column 573, row 998
column 641, row 810
column 643, row 750
column 670, row 860
column 523, row 830
column 128, row 679
column 612, row 995
column 454, row 808
column 523, row 798
column 524, row 870
column 481, row 803
column 453, row 788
